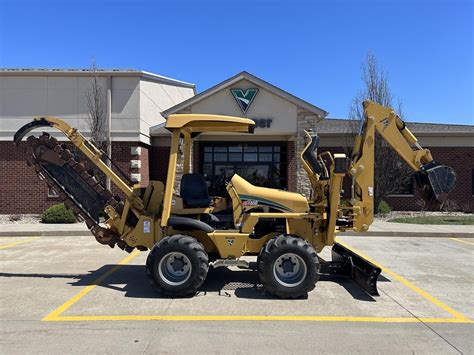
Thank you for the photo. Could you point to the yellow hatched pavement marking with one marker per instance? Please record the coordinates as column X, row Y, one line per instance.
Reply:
column 408, row 284
column 56, row 316
column 462, row 241
column 10, row 245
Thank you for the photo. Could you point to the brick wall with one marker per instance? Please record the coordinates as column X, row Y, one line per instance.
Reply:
column 21, row 192
column 305, row 120
column 461, row 159
column 158, row 163
column 292, row 166
column 159, row 159
column 144, row 170
column 122, row 157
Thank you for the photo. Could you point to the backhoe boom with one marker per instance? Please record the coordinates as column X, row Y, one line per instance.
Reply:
column 434, row 180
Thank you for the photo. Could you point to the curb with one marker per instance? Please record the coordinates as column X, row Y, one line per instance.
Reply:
column 79, row 233
column 46, row 234
column 409, row 234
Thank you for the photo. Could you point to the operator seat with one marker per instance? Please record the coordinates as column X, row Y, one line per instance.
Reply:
column 194, row 191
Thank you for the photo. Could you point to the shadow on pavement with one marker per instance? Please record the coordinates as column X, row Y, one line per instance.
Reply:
column 44, row 276
column 131, row 280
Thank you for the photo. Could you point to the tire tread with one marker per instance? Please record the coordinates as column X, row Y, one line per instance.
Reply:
column 188, row 242
column 265, row 270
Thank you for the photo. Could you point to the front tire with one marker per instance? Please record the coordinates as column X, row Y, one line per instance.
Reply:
column 177, row 266
column 288, row 266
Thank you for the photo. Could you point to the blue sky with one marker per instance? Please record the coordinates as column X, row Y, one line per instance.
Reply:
column 312, row 49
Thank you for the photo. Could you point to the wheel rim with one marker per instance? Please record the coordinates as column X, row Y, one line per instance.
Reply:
column 175, row 268
column 289, row 270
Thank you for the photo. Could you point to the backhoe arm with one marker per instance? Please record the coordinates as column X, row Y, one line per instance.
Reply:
column 434, row 180
column 394, row 131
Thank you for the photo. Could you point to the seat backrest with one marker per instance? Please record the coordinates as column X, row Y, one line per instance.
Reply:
column 153, row 196
column 237, row 205
column 194, row 191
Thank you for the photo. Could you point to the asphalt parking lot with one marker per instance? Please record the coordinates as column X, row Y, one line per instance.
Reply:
column 70, row 294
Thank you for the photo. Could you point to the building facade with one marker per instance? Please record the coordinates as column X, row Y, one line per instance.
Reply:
column 267, row 157
column 270, row 156
column 140, row 103
column 137, row 99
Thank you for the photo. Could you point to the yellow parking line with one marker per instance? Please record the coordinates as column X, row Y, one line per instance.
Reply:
column 462, row 241
column 68, row 304
column 9, row 245
column 408, row 284
column 55, row 316
column 258, row 318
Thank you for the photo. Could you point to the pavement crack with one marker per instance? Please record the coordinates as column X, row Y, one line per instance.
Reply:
column 424, row 323
column 168, row 306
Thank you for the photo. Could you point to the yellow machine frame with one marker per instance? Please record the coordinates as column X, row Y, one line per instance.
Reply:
column 313, row 219
column 154, row 217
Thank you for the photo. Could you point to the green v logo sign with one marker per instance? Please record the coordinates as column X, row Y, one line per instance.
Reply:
column 244, row 99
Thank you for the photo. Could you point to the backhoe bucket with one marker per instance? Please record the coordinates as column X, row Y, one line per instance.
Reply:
column 435, row 181
column 347, row 263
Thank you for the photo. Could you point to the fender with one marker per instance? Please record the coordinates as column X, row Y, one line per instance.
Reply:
column 185, row 223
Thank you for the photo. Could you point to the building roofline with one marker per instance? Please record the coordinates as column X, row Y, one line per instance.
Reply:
column 409, row 122
column 99, row 72
column 419, row 128
column 252, row 78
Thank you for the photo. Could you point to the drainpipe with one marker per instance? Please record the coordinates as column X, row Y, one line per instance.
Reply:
column 108, row 106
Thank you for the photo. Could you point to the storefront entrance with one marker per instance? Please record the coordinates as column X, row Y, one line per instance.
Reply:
column 262, row 164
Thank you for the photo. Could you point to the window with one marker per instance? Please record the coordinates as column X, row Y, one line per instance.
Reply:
column 472, row 182
column 262, row 164
column 52, row 193
column 405, row 190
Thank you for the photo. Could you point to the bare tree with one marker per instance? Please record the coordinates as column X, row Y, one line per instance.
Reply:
column 96, row 109
column 392, row 175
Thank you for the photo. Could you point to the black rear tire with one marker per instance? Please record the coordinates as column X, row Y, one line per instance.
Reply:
column 177, row 266
column 288, row 266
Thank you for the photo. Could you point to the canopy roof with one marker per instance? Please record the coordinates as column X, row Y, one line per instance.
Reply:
column 198, row 123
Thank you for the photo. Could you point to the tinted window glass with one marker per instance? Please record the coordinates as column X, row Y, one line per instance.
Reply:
column 262, row 164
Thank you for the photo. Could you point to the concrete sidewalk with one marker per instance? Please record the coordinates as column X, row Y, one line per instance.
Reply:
column 378, row 228
column 40, row 229
column 391, row 229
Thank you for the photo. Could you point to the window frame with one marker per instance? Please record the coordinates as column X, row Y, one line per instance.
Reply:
column 51, row 194
column 472, row 182
column 279, row 148
column 411, row 194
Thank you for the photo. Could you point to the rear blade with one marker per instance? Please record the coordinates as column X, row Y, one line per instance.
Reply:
column 360, row 270
column 435, row 181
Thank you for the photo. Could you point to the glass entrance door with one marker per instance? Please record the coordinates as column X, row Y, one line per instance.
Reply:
column 262, row 164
